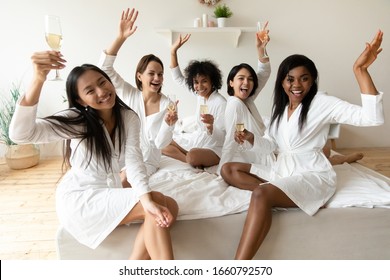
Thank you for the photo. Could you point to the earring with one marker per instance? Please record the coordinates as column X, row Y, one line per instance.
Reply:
column 86, row 108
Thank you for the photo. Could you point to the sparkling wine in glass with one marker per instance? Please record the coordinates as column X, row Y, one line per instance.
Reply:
column 204, row 109
column 53, row 34
column 172, row 103
column 240, row 127
column 262, row 34
column 172, row 106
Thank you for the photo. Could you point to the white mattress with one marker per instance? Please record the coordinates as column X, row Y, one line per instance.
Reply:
column 354, row 225
column 332, row 234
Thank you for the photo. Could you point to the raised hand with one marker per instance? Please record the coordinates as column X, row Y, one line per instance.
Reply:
column 365, row 59
column 262, row 39
column 42, row 62
column 126, row 25
column 180, row 41
column 45, row 61
column 371, row 51
column 262, row 36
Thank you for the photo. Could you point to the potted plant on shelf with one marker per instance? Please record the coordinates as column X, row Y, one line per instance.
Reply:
column 16, row 156
column 222, row 13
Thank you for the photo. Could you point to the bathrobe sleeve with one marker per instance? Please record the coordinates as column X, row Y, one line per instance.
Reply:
column 135, row 166
column 26, row 128
column 124, row 90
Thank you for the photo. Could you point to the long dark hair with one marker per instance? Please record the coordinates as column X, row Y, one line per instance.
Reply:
column 233, row 72
column 94, row 135
column 280, row 97
column 205, row 68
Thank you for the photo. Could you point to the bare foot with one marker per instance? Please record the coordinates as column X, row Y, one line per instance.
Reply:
column 340, row 159
column 353, row 157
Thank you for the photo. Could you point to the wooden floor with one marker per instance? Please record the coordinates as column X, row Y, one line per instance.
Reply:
column 377, row 159
column 28, row 221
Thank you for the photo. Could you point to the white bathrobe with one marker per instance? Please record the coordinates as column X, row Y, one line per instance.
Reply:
column 156, row 133
column 302, row 171
column 246, row 112
column 199, row 138
column 90, row 201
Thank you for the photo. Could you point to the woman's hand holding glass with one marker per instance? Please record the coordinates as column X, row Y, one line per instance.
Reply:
column 45, row 61
column 241, row 135
column 205, row 117
column 208, row 121
column 171, row 116
column 262, row 37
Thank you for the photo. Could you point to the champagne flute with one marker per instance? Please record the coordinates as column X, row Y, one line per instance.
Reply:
column 53, row 34
column 262, row 34
column 171, row 104
column 204, row 109
column 240, row 127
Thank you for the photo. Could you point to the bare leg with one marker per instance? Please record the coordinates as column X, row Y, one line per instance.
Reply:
column 237, row 174
column 139, row 250
column 340, row 159
column 259, row 219
column 157, row 240
column 152, row 241
column 326, row 151
column 201, row 158
column 173, row 150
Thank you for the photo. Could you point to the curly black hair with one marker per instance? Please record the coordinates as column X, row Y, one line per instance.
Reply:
column 206, row 68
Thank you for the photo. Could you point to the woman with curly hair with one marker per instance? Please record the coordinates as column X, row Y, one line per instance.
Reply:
column 203, row 79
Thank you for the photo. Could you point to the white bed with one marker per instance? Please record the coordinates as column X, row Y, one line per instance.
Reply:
column 354, row 225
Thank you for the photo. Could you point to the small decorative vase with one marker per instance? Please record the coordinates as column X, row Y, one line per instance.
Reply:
column 22, row 156
column 221, row 22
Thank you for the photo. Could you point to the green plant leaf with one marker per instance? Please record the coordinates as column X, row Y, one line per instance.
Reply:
column 222, row 11
column 7, row 111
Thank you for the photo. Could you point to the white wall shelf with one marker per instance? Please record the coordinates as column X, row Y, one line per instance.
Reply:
column 233, row 32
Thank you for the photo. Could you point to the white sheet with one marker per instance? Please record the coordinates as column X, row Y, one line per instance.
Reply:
column 356, row 187
column 199, row 194
column 204, row 195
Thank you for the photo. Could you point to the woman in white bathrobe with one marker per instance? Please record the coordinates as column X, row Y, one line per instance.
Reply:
column 302, row 175
column 244, row 86
column 102, row 134
column 157, row 123
column 201, row 148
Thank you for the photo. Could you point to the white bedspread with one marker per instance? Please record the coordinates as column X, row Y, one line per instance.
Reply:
column 199, row 194
column 204, row 195
column 358, row 186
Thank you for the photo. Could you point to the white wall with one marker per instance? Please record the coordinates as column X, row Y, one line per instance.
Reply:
column 331, row 32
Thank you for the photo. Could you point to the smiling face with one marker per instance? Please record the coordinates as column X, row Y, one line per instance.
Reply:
column 95, row 91
column 203, row 85
column 297, row 84
column 242, row 84
column 152, row 78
